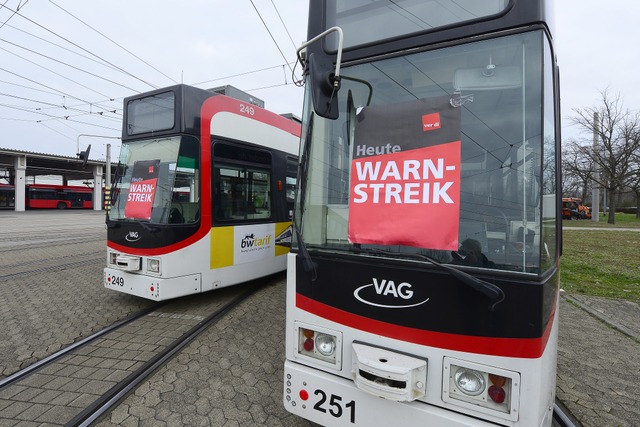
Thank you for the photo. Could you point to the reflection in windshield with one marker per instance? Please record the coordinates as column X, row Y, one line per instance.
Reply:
column 496, row 86
column 158, row 181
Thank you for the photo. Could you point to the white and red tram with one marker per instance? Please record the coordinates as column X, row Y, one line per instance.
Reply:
column 422, row 284
column 204, row 191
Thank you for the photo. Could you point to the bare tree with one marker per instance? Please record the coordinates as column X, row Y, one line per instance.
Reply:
column 576, row 170
column 634, row 183
column 616, row 154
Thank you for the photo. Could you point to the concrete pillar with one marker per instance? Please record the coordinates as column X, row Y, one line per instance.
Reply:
column 97, row 188
column 20, row 167
column 595, row 191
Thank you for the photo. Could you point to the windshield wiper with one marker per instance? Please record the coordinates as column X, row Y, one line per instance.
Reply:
column 307, row 262
column 150, row 228
column 490, row 290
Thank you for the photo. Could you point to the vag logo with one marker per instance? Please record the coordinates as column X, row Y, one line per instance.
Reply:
column 133, row 236
column 386, row 294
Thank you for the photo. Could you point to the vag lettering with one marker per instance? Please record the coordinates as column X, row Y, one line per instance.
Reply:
column 388, row 287
column 132, row 236
column 386, row 293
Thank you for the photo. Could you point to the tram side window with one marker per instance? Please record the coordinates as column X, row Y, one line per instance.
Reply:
column 291, row 185
column 242, row 193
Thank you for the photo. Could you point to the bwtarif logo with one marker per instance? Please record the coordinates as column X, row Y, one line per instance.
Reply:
column 251, row 241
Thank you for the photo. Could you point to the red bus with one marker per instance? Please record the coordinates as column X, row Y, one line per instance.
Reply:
column 7, row 196
column 48, row 196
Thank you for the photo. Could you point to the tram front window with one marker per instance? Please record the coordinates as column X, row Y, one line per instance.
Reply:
column 440, row 153
column 158, row 181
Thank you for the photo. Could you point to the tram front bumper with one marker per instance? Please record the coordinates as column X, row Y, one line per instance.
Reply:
column 154, row 288
column 331, row 400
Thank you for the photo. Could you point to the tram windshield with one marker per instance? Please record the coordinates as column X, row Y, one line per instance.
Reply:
column 373, row 20
column 447, row 153
column 158, row 181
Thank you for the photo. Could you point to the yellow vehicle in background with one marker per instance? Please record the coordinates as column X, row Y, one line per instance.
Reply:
column 572, row 208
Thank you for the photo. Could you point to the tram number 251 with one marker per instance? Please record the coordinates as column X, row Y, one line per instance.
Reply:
column 333, row 404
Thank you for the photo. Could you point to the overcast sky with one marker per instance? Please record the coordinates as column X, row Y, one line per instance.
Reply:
column 66, row 65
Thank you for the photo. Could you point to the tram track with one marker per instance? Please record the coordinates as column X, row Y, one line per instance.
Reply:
column 87, row 363
column 109, row 400
column 17, row 376
column 51, row 268
column 562, row 417
column 23, row 258
column 27, row 242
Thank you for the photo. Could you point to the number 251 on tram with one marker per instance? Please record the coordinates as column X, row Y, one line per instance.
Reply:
column 204, row 191
column 422, row 284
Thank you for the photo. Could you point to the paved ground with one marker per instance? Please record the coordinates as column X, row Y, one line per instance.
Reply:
column 599, row 360
column 231, row 375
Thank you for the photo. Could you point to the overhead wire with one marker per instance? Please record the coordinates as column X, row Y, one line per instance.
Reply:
column 52, row 117
column 59, row 46
column 96, row 103
column 296, row 81
column 62, row 63
column 271, row 35
column 13, row 14
column 45, row 89
column 268, row 87
column 27, row 87
column 65, row 117
column 112, row 41
column 285, row 26
column 104, row 114
column 240, row 74
column 64, row 94
column 80, row 47
column 106, row 63
column 58, row 132
column 54, row 72
column 8, row 95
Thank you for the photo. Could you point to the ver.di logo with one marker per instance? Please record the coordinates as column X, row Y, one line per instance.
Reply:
column 132, row 236
column 386, row 294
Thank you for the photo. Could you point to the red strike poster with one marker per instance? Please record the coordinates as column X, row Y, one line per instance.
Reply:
column 142, row 189
column 405, row 175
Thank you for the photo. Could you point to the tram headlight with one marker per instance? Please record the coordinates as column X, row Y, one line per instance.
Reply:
column 153, row 265
column 481, row 388
column 470, row 382
column 325, row 344
column 322, row 345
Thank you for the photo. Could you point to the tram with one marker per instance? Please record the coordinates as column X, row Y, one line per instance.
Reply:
column 422, row 282
column 204, row 190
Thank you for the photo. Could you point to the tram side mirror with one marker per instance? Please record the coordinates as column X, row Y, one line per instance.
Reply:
column 491, row 77
column 324, row 86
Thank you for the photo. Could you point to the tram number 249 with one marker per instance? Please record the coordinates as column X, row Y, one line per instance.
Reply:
column 334, row 406
column 115, row 280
